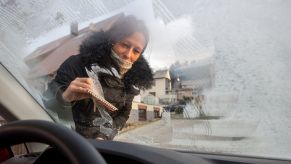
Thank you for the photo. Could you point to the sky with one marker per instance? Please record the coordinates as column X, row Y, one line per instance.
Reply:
column 166, row 40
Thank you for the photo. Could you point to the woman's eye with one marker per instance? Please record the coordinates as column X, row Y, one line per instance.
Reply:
column 125, row 45
column 137, row 52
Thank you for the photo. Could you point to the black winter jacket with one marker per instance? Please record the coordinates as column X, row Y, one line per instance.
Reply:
column 120, row 92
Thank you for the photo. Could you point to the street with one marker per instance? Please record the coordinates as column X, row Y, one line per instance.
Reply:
column 218, row 136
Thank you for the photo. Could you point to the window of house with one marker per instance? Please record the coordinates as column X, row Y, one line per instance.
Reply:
column 153, row 93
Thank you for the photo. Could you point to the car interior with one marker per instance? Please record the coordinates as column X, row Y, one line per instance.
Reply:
column 66, row 146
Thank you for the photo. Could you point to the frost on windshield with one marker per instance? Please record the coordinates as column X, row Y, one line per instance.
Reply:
column 221, row 67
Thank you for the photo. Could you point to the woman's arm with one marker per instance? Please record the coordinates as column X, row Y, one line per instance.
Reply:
column 52, row 97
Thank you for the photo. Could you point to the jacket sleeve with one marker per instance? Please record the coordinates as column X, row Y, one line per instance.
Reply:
column 123, row 115
column 52, row 97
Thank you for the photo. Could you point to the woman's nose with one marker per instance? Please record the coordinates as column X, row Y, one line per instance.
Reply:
column 127, row 54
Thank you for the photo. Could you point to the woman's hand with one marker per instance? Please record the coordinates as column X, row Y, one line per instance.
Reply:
column 78, row 89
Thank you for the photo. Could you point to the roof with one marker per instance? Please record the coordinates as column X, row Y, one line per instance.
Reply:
column 162, row 74
column 1, row 118
column 196, row 72
column 49, row 57
column 185, row 89
column 198, row 83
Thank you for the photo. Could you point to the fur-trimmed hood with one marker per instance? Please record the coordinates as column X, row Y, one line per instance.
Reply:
column 97, row 49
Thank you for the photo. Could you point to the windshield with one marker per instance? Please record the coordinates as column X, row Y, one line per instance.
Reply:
column 220, row 69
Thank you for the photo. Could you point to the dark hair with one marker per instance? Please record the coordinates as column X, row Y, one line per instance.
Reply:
column 97, row 47
column 126, row 26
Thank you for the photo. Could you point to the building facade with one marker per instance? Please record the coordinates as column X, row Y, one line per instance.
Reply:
column 162, row 88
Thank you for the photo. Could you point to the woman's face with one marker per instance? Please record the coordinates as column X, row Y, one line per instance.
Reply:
column 131, row 47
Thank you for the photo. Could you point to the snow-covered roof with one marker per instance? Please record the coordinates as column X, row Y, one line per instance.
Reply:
column 162, row 74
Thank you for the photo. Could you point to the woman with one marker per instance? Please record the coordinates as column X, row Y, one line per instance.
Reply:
column 115, row 57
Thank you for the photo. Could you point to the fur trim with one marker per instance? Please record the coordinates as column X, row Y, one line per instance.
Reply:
column 140, row 75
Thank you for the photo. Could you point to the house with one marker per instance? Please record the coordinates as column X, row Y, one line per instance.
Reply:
column 194, row 79
column 199, row 76
column 184, row 92
column 144, row 112
column 2, row 121
column 162, row 88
